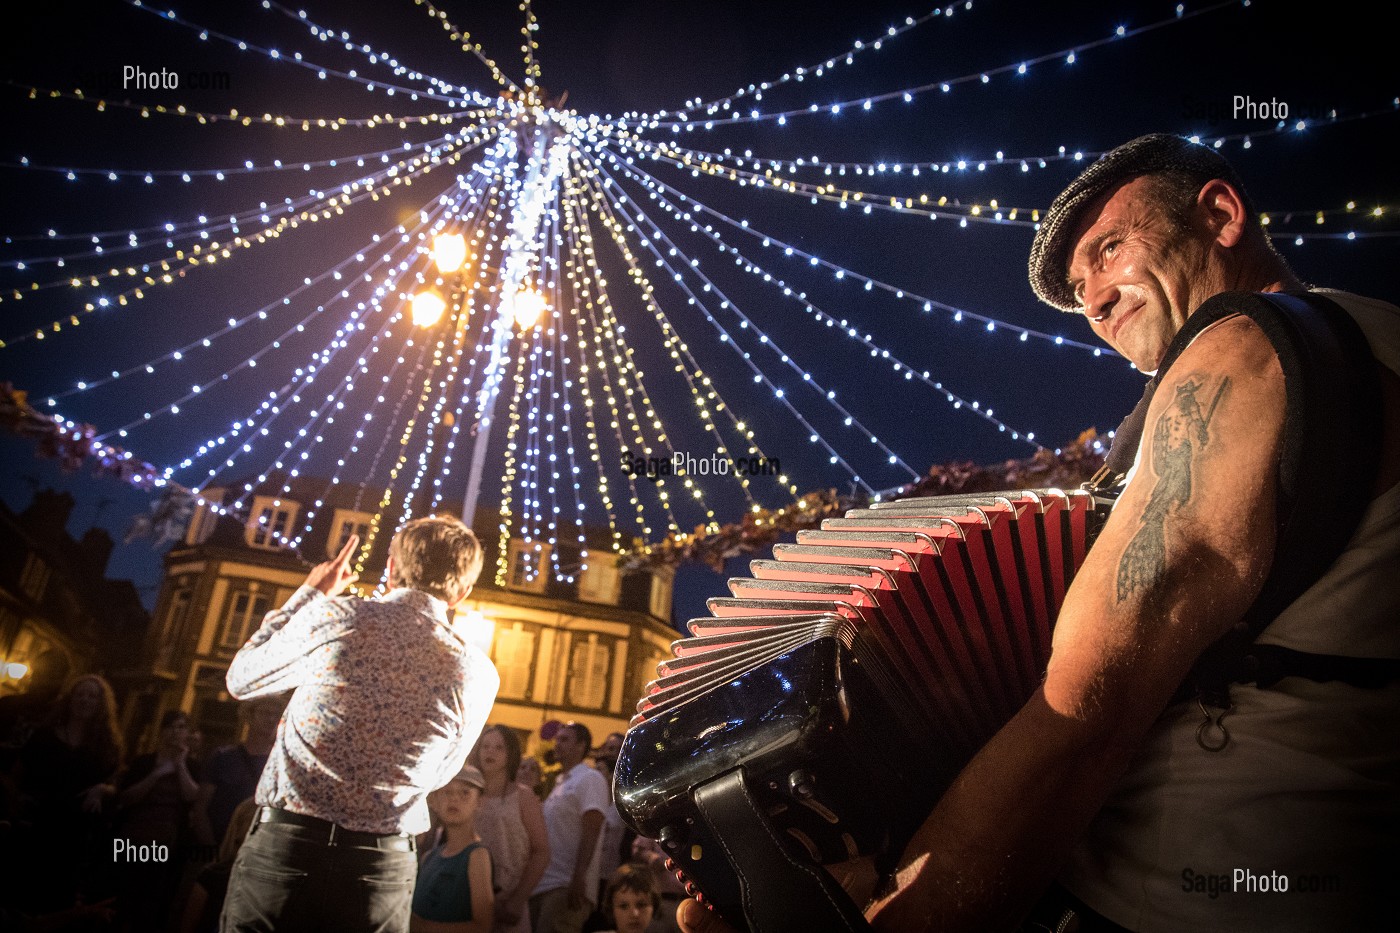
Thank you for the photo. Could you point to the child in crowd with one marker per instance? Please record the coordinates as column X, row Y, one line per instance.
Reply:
column 631, row 900
column 453, row 893
column 206, row 897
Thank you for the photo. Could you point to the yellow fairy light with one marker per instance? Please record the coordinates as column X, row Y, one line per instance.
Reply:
column 428, row 307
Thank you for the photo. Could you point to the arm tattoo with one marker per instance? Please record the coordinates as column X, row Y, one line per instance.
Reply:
column 1178, row 434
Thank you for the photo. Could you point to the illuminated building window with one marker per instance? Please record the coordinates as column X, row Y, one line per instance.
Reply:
column 600, row 583
column 176, row 624
column 246, row 609
column 270, row 521
column 34, row 578
column 345, row 524
column 529, row 566
column 514, row 656
column 590, row 659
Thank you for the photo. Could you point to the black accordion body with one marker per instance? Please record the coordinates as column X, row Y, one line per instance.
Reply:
column 821, row 711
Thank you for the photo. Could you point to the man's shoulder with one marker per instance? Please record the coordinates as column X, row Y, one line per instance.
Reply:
column 585, row 780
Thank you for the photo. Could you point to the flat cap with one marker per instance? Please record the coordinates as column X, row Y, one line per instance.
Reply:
column 470, row 775
column 1157, row 152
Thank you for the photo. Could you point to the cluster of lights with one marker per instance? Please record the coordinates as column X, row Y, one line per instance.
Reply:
column 967, row 163
column 900, row 368
column 530, row 48
column 629, row 375
column 636, row 219
column 543, row 317
column 325, row 208
column 841, row 273
column 605, row 351
column 702, row 388
column 922, row 204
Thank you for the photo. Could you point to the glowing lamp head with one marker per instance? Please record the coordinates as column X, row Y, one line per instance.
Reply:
column 526, row 307
column 427, row 308
column 449, row 251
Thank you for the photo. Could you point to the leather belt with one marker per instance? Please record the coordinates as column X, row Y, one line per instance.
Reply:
column 336, row 835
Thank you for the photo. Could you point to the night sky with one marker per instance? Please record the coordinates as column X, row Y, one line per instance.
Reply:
column 613, row 58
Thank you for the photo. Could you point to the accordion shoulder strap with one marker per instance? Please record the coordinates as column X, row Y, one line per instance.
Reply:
column 780, row 893
column 1331, row 449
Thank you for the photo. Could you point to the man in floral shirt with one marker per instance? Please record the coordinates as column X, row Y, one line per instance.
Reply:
column 389, row 699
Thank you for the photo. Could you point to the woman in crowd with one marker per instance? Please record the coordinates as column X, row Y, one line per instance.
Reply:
column 530, row 776
column 511, row 823
column 453, row 892
column 66, row 775
column 154, row 797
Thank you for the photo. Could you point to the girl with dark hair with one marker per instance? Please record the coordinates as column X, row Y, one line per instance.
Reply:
column 66, row 775
column 510, row 822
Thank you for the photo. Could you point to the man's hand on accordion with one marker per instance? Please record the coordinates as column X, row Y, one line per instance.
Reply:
column 857, row 877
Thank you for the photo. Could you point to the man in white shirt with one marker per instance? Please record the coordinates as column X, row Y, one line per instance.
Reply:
column 387, row 701
column 573, row 815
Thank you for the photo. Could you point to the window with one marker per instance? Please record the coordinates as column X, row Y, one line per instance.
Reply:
column 590, row 657
column 660, row 603
column 600, row 582
column 176, row 619
column 246, row 609
column 205, row 518
column 514, row 657
column 34, row 578
column 528, row 566
column 270, row 522
column 345, row 524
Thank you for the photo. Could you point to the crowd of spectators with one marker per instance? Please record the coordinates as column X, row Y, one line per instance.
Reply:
column 105, row 838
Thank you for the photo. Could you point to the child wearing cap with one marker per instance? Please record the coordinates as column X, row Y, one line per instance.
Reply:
column 453, row 893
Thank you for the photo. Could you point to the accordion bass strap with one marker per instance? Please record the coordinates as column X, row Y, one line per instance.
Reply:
column 780, row 893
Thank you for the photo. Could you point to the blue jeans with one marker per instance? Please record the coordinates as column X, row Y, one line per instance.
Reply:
column 287, row 879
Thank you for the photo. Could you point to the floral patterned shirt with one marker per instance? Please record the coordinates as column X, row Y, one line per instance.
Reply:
column 388, row 702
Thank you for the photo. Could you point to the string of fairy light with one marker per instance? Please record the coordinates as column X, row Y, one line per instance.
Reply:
column 488, row 304
column 1069, row 55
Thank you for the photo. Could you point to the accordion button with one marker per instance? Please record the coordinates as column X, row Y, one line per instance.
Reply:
column 691, row 889
column 671, row 838
column 670, row 864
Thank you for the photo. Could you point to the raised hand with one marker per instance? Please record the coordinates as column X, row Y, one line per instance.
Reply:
column 335, row 575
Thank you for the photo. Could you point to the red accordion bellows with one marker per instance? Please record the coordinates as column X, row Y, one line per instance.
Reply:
column 948, row 601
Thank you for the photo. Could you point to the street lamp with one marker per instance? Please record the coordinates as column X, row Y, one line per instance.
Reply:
column 526, row 307
column 427, row 308
column 477, row 629
column 449, row 251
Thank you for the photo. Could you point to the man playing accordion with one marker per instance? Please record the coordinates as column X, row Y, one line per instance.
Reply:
column 1213, row 746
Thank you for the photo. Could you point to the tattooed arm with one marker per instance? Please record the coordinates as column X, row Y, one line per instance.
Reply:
column 1183, row 555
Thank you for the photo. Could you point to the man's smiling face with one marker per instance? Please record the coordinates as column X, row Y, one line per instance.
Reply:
column 1135, row 273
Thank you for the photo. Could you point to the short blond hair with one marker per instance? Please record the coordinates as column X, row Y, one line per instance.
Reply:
column 438, row 555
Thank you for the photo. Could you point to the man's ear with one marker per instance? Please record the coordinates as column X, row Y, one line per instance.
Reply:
column 1224, row 211
column 456, row 602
